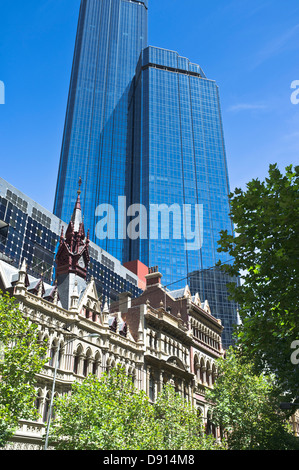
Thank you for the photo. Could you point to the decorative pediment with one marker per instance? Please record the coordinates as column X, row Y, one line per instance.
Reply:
column 187, row 293
column 207, row 307
column 183, row 293
column 175, row 361
column 90, row 298
column 196, row 300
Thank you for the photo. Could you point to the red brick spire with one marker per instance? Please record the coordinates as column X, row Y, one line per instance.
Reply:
column 73, row 253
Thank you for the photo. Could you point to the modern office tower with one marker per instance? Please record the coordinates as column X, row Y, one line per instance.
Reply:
column 180, row 176
column 110, row 37
column 29, row 231
column 143, row 126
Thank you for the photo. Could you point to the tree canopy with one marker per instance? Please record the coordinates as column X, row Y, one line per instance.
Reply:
column 246, row 407
column 110, row 413
column 265, row 250
column 22, row 357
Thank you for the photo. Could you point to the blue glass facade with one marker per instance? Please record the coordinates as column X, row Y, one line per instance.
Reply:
column 145, row 124
column 110, row 37
column 179, row 158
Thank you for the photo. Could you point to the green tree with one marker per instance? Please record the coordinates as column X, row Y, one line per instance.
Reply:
column 22, row 357
column 246, row 407
column 266, row 256
column 103, row 414
column 110, row 413
column 179, row 425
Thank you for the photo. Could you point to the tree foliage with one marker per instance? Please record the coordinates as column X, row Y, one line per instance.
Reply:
column 102, row 414
column 246, row 407
column 22, row 357
column 265, row 250
column 179, row 425
column 110, row 413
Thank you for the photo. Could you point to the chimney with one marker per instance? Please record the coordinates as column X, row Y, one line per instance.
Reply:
column 125, row 301
column 153, row 278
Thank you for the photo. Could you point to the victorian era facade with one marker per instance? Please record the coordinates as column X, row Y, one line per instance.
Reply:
column 159, row 337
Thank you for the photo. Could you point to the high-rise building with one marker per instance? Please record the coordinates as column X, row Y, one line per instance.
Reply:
column 144, row 131
column 180, row 175
column 110, row 37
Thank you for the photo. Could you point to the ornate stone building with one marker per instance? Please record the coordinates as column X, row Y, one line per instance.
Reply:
column 159, row 337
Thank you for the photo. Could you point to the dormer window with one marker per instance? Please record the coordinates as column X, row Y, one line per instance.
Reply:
column 123, row 329
column 113, row 324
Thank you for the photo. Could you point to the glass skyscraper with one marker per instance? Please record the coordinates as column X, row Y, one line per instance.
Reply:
column 144, row 124
column 179, row 158
column 110, row 37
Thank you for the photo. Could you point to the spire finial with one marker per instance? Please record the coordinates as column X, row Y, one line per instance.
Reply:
column 80, row 184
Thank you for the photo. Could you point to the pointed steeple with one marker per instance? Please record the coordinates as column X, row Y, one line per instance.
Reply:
column 74, row 298
column 23, row 281
column 72, row 257
column 73, row 254
column 105, row 314
column 77, row 213
column 23, row 278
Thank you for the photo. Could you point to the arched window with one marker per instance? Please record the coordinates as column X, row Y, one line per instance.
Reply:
column 86, row 363
column 76, row 364
column 96, row 363
column 46, row 407
column 208, row 374
column 202, row 372
column 39, row 401
column 85, row 367
column 77, row 360
column 210, row 428
column 196, row 368
column 53, row 354
column 151, row 388
column 132, row 374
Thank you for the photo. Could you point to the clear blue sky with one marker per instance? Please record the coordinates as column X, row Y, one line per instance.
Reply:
column 250, row 47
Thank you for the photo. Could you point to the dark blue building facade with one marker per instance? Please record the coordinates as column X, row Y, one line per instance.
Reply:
column 110, row 37
column 179, row 160
column 180, row 176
